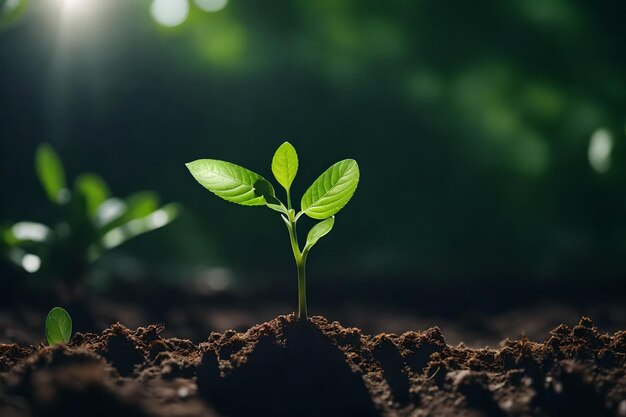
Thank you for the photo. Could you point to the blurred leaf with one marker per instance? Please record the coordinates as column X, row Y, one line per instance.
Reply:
column 94, row 189
column 228, row 181
column 110, row 210
column 115, row 212
column 136, row 227
column 141, row 204
column 50, row 171
column 58, row 326
column 285, row 165
column 319, row 231
column 331, row 191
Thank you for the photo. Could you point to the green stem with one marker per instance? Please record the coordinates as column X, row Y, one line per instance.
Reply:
column 288, row 200
column 301, row 266
column 302, row 311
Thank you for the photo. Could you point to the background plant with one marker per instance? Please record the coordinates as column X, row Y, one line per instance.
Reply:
column 90, row 222
column 328, row 194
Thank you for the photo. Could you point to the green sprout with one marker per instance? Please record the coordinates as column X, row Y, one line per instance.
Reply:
column 58, row 326
column 325, row 197
column 89, row 221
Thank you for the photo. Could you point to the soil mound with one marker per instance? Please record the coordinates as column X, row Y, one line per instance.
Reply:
column 285, row 367
column 297, row 368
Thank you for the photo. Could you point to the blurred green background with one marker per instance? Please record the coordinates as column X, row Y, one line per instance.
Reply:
column 490, row 134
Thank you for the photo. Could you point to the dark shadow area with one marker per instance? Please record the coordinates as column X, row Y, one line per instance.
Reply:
column 304, row 373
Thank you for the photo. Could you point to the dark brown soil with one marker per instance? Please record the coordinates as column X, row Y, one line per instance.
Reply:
column 287, row 367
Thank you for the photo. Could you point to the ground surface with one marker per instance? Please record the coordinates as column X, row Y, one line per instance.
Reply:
column 471, row 315
column 286, row 367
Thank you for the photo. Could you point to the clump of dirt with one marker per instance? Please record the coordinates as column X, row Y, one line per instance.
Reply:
column 312, row 368
column 284, row 367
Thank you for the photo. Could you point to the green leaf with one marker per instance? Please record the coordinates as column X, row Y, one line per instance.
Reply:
column 229, row 181
column 285, row 165
column 93, row 188
column 50, row 172
column 319, row 231
column 276, row 205
column 331, row 191
column 263, row 187
column 58, row 326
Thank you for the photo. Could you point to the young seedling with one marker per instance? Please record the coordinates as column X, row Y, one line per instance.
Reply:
column 90, row 221
column 58, row 326
column 325, row 197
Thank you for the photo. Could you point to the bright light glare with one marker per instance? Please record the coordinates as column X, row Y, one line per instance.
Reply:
column 10, row 6
column 600, row 148
column 158, row 219
column 169, row 12
column 77, row 10
column 31, row 263
column 211, row 5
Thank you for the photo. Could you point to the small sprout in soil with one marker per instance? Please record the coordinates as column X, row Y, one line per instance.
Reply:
column 89, row 221
column 325, row 197
column 58, row 326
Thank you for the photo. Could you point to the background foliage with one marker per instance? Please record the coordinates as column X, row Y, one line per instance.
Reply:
column 471, row 122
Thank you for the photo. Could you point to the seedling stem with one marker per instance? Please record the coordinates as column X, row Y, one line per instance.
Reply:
column 300, row 257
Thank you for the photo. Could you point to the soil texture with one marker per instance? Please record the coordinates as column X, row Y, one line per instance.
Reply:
column 287, row 367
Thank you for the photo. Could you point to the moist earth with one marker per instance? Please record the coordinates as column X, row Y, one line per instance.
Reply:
column 288, row 367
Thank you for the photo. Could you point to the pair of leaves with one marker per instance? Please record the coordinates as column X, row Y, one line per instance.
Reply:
column 328, row 194
column 58, row 326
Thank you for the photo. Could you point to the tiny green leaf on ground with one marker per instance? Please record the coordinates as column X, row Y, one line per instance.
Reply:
column 285, row 165
column 50, row 172
column 319, row 231
column 58, row 326
column 228, row 181
column 331, row 191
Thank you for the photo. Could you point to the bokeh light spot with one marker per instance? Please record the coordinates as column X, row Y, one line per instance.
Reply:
column 31, row 263
column 600, row 147
column 211, row 5
column 169, row 12
column 30, row 231
column 158, row 219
